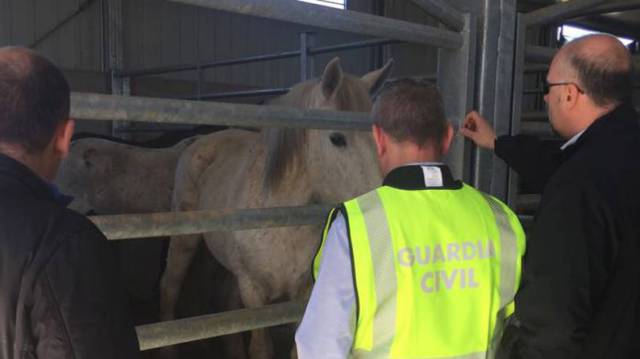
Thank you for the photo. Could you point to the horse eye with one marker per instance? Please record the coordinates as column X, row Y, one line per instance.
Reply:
column 338, row 139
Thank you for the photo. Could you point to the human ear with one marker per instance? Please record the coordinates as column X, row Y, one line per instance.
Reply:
column 62, row 140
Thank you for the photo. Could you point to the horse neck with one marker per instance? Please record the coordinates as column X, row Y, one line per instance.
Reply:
column 293, row 187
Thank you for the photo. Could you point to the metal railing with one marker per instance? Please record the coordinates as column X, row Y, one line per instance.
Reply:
column 143, row 109
column 149, row 225
column 456, row 62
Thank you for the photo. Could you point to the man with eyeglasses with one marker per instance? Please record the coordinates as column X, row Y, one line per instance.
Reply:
column 580, row 290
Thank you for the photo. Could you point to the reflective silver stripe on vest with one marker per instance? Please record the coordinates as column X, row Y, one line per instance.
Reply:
column 508, row 252
column 382, row 256
column 508, row 261
column 361, row 354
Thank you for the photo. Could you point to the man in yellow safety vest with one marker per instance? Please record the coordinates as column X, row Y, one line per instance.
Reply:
column 424, row 266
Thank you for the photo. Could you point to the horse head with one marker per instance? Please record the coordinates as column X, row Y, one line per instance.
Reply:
column 337, row 164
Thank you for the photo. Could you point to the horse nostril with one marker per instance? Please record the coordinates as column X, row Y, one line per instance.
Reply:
column 90, row 213
column 338, row 139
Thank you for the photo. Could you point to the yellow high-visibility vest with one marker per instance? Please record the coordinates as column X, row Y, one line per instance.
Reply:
column 435, row 271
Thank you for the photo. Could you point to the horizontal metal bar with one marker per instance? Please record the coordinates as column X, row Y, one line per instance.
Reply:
column 236, row 94
column 165, row 128
column 229, row 62
column 559, row 11
column 164, row 334
column 149, row 225
column 527, row 203
column 610, row 6
column 443, row 12
column 256, row 58
column 143, row 109
column 539, row 53
column 535, row 116
column 335, row 19
column 352, row 46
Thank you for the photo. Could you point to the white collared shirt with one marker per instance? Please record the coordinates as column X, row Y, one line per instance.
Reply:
column 572, row 140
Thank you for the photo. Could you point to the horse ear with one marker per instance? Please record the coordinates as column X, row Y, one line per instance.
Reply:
column 375, row 79
column 332, row 78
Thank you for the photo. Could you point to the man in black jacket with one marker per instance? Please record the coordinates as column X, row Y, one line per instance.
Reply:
column 59, row 292
column 580, row 292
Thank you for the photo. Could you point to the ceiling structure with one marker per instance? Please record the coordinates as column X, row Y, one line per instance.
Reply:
column 621, row 23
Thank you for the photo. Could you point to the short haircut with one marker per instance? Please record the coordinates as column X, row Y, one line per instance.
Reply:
column 34, row 99
column 411, row 110
column 603, row 78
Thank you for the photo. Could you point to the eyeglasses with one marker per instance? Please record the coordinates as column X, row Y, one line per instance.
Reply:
column 546, row 86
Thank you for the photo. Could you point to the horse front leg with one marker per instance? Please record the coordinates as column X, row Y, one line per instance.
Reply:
column 254, row 296
column 182, row 249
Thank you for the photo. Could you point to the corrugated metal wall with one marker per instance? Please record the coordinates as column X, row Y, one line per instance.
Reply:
column 412, row 59
column 159, row 33
column 76, row 46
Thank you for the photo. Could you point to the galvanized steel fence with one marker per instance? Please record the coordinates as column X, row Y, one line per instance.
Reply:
column 456, row 64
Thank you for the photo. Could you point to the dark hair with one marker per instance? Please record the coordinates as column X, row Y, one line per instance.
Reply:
column 34, row 99
column 603, row 79
column 411, row 110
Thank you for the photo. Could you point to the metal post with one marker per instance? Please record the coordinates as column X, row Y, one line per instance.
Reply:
column 119, row 86
column 458, row 68
column 199, row 73
column 335, row 19
column 306, row 60
column 516, row 102
column 495, row 85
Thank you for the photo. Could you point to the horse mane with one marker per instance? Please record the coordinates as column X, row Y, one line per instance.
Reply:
column 285, row 146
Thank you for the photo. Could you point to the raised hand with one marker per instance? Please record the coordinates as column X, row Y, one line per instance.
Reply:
column 477, row 129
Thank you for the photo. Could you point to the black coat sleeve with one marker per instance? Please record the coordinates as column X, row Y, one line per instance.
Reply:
column 80, row 308
column 564, row 269
column 532, row 159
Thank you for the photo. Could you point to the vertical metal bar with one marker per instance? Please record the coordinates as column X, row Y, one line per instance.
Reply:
column 495, row 84
column 116, row 57
column 199, row 73
column 458, row 67
column 103, row 37
column 306, row 60
column 516, row 105
column 126, row 86
column 311, row 59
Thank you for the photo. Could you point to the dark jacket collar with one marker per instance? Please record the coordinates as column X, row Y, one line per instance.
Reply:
column 16, row 177
column 411, row 177
column 622, row 119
